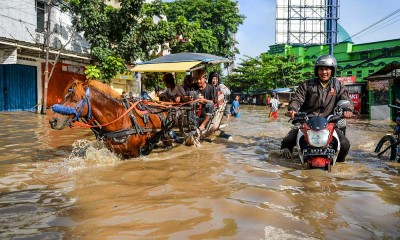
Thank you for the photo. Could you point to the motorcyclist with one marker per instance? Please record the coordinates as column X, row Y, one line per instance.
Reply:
column 318, row 97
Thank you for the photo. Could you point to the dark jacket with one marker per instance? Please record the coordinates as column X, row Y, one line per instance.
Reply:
column 312, row 98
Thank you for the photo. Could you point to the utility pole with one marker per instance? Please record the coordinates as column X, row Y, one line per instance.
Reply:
column 47, row 49
column 332, row 18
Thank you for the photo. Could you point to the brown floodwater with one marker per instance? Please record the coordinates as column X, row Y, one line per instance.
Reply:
column 65, row 185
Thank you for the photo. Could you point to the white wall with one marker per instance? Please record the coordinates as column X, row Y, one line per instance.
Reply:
column 19, row 22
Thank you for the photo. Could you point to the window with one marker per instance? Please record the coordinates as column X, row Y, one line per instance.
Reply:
column 349, row 73
column 371, row 71
column 359, row 74
column 339, row 73
column 364, row 55
column 380, row 97
column 40, row 11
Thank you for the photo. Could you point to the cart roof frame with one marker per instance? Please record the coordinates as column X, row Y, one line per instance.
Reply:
column 179, row 62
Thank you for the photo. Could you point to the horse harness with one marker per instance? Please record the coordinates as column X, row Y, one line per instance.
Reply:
column 123, row 135
column 119, row 136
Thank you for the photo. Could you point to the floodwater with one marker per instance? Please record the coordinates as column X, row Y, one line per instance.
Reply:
column 65, row 185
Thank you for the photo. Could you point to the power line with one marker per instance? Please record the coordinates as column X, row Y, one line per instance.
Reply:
column 374, row 24
column 374, row 27
column 17, row 20
column 377, row 28
column 8, row 33
column 20, row 20
column 18, row 9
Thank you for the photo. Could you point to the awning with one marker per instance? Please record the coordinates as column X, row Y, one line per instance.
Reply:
column 281, row 90
column 165, row 67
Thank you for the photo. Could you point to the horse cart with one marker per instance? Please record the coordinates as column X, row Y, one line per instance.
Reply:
column 132, row 127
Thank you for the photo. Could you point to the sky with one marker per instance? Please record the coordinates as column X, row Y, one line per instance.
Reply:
column 258, row 30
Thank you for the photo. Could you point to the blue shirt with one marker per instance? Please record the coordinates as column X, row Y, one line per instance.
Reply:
column 235, row 106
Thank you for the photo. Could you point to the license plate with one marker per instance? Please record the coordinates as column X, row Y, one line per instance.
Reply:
column 319, row 151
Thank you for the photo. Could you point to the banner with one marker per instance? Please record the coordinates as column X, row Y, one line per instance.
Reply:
column 347, row 80
column 378, row 85
column 355, row 98
column 8, row 56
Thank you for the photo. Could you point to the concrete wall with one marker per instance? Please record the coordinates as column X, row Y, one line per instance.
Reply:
column 380, row 112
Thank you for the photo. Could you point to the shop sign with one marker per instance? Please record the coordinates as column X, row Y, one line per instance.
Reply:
column 125, row 75
column 347, row 80
column 355, row 98
column 73, row 69
column 378, row 85
column 8, row 56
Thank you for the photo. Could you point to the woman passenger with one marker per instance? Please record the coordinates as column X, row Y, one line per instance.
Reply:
column 213, row 79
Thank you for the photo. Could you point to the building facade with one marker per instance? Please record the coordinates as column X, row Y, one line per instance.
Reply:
column 22, row 56
column 356, row 64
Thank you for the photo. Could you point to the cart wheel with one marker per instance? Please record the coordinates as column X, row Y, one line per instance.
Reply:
column 383, row 149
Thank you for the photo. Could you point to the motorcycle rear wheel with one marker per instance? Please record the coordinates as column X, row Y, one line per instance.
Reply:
column 383, row 144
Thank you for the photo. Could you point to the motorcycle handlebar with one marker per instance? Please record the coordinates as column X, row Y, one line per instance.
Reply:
column 299, row 117
column 302, row 117
column 335, row 118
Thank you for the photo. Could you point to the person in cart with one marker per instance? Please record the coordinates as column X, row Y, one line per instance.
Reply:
column 207, row 93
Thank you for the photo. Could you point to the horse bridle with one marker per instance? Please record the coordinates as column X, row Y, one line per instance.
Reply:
column 77, row 111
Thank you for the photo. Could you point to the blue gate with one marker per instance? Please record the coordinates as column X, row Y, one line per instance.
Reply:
column 18, row 87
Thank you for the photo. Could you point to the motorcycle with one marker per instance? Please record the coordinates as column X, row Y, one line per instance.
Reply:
column 389, row 145
column 317, row 140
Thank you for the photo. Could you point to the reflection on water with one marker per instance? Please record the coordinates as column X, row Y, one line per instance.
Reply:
column 64, row 184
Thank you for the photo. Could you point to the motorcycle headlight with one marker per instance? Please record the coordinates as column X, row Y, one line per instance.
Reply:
column 318, row 138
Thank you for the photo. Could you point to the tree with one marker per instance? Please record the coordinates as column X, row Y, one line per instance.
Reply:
column 46, row 47
column 127, row 33
column 120, row 35
column 268, row 72
column 207, row 26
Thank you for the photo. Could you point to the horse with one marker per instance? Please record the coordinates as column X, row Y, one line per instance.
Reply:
column 128, row 128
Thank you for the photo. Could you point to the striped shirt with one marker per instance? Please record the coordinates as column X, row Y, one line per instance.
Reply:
column 274, row 105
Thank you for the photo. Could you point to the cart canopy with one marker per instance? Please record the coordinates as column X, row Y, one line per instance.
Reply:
column 179, row 62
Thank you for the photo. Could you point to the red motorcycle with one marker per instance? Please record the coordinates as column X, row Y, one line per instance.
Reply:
column 317, row 141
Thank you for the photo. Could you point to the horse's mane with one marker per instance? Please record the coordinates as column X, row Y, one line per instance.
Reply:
column 104, row 88
column 79, row 88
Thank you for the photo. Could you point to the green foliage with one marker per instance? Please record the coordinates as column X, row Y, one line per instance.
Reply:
column 130, row 32
column 205, row 26
column 201, row 26
column 152, row 80
column 93, row 73
column 120, row 35
column 268, row 72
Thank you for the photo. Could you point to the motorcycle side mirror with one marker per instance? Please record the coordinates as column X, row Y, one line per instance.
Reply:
column 343, row 104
